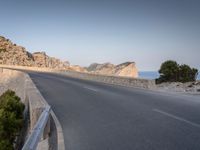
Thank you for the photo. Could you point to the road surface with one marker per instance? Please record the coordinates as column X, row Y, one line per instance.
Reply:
column 97, row 116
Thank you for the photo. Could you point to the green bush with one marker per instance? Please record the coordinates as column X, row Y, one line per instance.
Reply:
column 171, row 71
column 11, row 118
column 5, row 145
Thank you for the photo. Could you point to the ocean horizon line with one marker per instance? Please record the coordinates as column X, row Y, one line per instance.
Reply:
column 154, row 75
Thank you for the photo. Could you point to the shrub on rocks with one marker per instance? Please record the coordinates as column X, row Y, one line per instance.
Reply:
column 2, row 50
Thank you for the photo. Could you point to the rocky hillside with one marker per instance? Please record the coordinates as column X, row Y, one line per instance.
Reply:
column 42, row 60
column 12, row 54
column 127, row 69
column 78, row 68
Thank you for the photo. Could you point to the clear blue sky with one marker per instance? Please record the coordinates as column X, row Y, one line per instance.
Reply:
column 86, row 31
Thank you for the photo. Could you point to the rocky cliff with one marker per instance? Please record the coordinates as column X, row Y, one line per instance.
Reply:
column 127, row 69
column 11, row 54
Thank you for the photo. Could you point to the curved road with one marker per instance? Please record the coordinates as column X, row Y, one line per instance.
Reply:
column 97, row 116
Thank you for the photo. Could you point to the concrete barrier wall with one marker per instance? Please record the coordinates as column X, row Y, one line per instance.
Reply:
column 124, row 81
column 36, row 102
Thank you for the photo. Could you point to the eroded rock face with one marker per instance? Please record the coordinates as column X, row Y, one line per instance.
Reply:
column 127, row 69
column 11, row 54
column 43, row 60
column 40, row 59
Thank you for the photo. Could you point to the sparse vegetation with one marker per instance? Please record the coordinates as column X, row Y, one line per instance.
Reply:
column 2, row 50
column 171, row 71
column 1, row 37
column 11, row 119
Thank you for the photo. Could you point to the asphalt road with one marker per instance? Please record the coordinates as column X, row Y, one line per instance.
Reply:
column 97, row 116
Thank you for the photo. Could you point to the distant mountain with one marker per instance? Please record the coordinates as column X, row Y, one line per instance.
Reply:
column 127, row 69
column 12, row 54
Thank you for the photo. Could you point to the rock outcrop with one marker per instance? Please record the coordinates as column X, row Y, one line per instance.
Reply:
column 42, row 60
column 127, row 69
column 11, row 54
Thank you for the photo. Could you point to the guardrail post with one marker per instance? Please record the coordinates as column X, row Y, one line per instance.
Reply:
column 37, row 132
column 46, row 130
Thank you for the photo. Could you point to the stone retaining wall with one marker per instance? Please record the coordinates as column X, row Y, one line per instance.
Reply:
column 124, row 81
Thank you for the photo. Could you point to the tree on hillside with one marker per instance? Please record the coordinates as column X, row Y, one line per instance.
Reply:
column 187, row 74
column 171, row 71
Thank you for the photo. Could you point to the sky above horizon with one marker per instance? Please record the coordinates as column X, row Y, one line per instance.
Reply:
column 87, row 31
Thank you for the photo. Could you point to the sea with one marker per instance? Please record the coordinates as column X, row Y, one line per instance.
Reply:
column 153, row 75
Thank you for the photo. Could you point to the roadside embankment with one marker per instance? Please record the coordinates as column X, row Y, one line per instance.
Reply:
column 35, row 104
column 187, row 88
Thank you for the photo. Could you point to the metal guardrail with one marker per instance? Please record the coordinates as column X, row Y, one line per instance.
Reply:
column 34, row 138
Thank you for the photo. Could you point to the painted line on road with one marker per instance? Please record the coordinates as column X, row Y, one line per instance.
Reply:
column 91, row 89
column 177, row 118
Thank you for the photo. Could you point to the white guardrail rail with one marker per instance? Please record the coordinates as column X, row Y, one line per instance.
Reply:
column 35, row 136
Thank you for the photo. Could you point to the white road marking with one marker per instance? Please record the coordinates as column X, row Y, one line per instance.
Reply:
column 89, row 88
column 177, row 118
